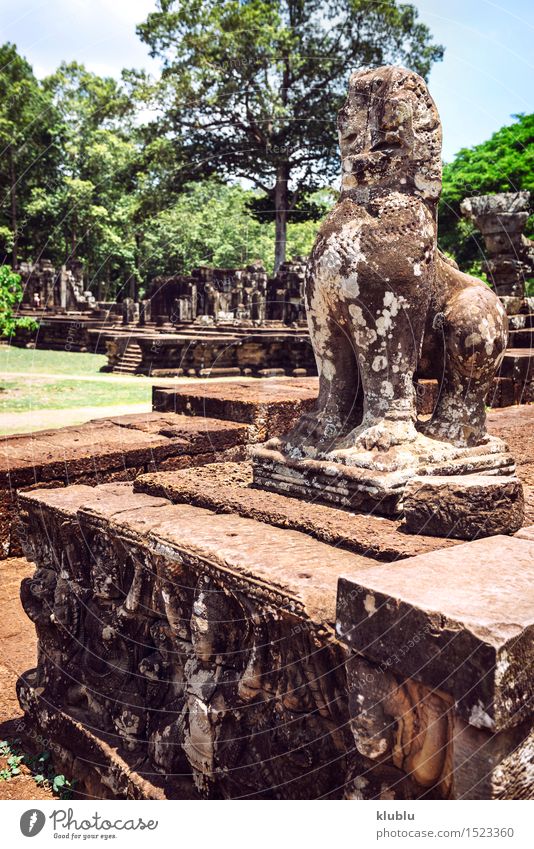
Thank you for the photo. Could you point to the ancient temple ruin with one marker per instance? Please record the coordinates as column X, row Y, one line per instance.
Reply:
column 205, row 634
column 46, row 288
column 231, row 295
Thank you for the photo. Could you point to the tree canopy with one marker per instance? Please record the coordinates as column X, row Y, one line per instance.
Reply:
column 251, row 89
column 238, row 154
column 504, row 163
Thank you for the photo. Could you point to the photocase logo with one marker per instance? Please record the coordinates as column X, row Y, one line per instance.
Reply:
column 32, row 822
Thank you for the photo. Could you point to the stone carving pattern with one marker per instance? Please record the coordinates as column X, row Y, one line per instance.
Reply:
column 200, row 673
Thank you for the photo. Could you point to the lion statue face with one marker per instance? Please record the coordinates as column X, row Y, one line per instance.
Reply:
column 390, row 134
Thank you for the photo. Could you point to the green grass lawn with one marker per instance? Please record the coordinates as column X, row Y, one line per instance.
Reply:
column 31, row 390
column 33, row 361
column 20, row 395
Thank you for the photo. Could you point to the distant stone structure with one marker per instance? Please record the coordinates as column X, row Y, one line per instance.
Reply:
column 286, row 292
column 501, row 219
column 384, row 305
column 231, row 294
column 45, row 287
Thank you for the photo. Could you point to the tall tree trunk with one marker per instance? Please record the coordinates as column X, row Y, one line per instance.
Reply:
column 14, row 215
column 280, row 205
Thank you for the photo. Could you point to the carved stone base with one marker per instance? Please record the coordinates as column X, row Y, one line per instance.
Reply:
column 96, row 765
column 188, row 652
column 372, row 480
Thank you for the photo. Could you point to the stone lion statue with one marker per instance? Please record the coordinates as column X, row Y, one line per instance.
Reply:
column 383, row 304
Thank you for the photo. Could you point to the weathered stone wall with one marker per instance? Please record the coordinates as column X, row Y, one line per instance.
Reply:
column 226, row 294
column 194, row 653
column 44, row 287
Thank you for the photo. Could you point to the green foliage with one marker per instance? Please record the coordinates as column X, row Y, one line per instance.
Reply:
column 28, row 140
column 86, row 209
column 504, row 163
column 39, row 765
column 10, row 296
column 251, row 89
column 211, row 224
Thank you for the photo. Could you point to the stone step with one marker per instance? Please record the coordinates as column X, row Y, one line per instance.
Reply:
column 523, row 338
column 227, row 488
column 518, row 363
column 521, row 321
column 116, row 448
column 271, row 406
column 256, row 401
column 130, row 359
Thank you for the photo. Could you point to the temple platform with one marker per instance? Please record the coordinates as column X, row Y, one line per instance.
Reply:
column 194, row 651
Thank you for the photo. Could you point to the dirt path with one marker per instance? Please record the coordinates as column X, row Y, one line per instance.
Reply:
column 121, row 378
column 18, row 653
column 104, row 378
column 43, row 419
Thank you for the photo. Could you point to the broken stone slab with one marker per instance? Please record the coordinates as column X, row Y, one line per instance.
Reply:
column 463, row 506
column 460, row 620
column 372, row 481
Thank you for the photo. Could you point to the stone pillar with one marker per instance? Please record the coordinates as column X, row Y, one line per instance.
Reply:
column 144, row 313
column 501, row 219
column 128, row 311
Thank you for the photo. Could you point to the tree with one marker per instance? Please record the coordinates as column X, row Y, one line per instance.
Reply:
column 27, row 144
column 504, row 163
column 251, row 87
column 87, row 210
column 211, row 224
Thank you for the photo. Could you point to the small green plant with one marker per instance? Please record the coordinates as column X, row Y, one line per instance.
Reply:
column 39, row 765
column 10, row 297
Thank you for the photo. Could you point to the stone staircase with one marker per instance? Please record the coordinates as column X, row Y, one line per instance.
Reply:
column 130, row 359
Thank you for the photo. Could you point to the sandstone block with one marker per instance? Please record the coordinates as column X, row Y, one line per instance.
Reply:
column 460, row 620
column 115, row 448
column 464, row 506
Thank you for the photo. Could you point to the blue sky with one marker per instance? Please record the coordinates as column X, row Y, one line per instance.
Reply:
column 485, row 78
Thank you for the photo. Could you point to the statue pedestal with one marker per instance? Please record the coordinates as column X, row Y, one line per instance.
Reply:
column 372, row 481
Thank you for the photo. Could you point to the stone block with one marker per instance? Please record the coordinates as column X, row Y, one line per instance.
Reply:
column 217, row 629
column 202, row 645
column 460, row 620
column 270, row 406
column 103, row 450
column 501, row 393
column 463, row 506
